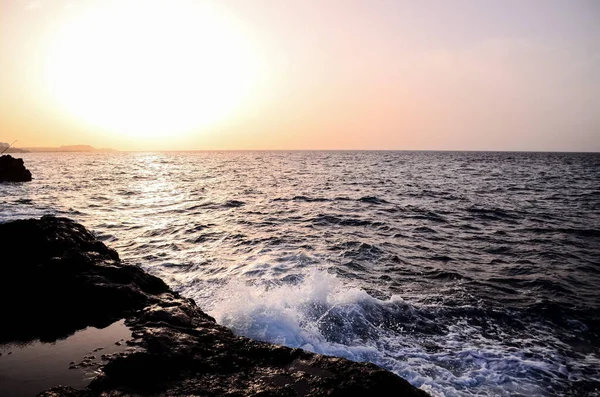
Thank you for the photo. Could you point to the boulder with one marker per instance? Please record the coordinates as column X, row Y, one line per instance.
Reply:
column 66, row 280
column 13, row 170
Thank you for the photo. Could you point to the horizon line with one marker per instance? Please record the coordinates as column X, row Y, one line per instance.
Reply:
column 104, row 150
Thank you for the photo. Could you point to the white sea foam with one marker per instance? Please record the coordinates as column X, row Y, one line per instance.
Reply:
column 322, row 314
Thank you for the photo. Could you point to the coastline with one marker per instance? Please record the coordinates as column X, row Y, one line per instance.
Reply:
column 67, row 281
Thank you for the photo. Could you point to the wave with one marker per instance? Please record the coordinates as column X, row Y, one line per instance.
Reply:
column 233, row 204
column 327, row 219
column 492, row 213
column 307, row 199
column 568, row 231
column 372, row 200
column 446, row 351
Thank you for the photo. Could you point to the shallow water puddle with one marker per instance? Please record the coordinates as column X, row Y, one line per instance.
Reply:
column 26, row 370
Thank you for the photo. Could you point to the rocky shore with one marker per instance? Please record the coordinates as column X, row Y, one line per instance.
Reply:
column 65, row 280
column 13, row 170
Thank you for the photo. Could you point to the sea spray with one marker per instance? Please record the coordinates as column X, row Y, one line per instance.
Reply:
column 321, row 313
column 290, row 314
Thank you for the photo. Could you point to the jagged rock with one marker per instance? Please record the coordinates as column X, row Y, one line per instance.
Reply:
column 13, row 170
column 64, row 281
column 67, row 280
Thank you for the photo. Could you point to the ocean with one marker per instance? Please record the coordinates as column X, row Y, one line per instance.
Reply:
column 467, row 273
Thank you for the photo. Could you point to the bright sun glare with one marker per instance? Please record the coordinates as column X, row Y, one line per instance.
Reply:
column 151, row 69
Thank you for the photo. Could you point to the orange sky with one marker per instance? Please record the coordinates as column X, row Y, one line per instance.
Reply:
column 306, row 74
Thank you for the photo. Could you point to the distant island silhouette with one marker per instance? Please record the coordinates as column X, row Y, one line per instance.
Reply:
column 64, row 148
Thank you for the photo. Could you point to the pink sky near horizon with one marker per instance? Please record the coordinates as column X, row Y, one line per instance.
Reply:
column 407, row 75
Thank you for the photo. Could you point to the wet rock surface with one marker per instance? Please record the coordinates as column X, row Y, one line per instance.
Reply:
column 66, row 280
column 13, row 170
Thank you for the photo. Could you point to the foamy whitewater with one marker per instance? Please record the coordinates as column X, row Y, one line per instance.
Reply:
column 468, row 274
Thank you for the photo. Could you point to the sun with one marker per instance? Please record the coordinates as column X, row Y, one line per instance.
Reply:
column 150, row 68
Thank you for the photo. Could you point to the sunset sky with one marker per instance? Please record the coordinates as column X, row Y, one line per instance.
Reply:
column 306, row 74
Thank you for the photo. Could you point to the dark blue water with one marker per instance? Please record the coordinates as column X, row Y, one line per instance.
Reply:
column 468, row 273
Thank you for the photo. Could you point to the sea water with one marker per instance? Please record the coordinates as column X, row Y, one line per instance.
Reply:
column 467, row 273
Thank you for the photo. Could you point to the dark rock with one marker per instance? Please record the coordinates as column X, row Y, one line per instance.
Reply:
column 13, row 170
column 68, row 280
column 65, row 281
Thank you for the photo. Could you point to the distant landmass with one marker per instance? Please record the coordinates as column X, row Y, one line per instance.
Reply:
column 66, row 148
column 4, row 145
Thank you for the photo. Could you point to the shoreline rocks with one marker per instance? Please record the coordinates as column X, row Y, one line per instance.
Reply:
column 13, row 170
column 67, row 280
